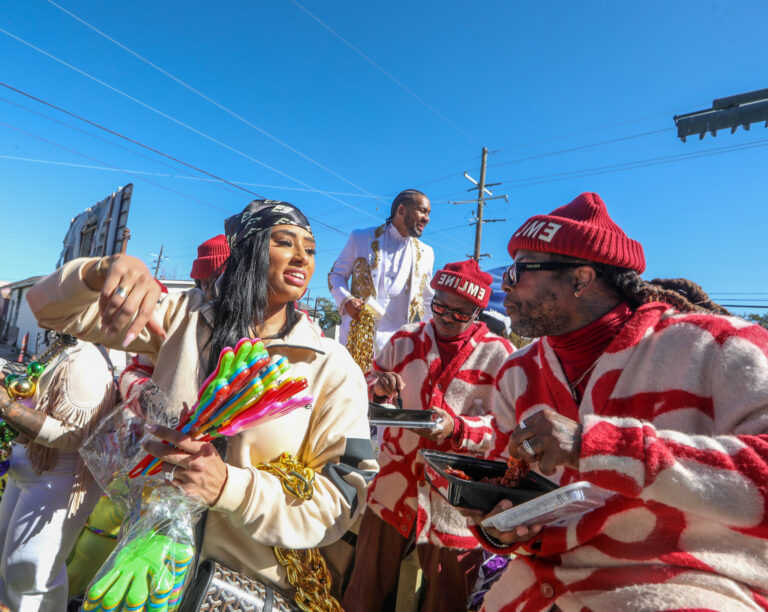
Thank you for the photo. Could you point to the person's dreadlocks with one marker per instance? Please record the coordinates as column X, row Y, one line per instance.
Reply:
column 681, row 293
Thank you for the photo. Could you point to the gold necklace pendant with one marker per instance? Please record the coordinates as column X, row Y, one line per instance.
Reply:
column 576, row 382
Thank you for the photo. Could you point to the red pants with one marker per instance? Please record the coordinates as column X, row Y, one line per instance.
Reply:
column 449, row 574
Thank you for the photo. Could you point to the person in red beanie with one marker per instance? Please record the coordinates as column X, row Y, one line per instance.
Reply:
column 446, row 365
column 648, row 391
column 211, row 261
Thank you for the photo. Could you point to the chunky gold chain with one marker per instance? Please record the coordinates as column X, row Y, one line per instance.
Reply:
column 296, row 479
column 305, row 569
column 308, row 574
column 361, row 338
column 416, row 307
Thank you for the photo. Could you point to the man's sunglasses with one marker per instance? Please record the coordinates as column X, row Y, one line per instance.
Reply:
column 512, row 275
column 458, row 315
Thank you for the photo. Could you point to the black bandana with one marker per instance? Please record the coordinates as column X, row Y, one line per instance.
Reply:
column 260, row 215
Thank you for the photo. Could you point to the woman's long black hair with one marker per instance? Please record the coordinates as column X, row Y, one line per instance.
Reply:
column 243, row 293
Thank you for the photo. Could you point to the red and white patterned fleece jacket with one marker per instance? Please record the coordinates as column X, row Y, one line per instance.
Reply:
column 674, row 418
column 134, row 377
column 399, row 493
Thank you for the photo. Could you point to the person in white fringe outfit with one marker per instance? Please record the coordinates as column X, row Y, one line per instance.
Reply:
column 50, row 492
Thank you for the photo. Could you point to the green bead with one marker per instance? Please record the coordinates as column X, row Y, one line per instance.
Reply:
column 34, row 369
column 7, row 433
column 10, row 378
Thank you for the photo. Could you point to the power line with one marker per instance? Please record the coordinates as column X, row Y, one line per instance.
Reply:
column 579, row 148
column 184, row 195
column 160, row 174
column 384, row 72
column 563, row 137
column 182, row 124
column 113, row 144
column 654, row 161
column 589, row 131
column 119, row 135
column 212, row 101
column 93, row 159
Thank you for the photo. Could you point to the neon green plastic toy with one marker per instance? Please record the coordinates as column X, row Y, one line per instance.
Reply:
column 147, row 575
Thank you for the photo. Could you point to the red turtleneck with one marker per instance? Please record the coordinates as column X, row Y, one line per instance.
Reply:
column 579, row 350
column 448, row 347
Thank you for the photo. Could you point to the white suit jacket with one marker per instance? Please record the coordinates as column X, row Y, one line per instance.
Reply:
column 360, row 260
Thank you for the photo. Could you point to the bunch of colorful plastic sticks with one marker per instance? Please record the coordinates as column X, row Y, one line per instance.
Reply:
column 246, row 388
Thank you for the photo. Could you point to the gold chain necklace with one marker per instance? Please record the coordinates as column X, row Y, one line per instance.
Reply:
column 576, row 382
column 305, row 570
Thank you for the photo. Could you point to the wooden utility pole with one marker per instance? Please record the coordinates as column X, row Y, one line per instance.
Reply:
column 480, row 204
column 159, row 260
column 482, row 191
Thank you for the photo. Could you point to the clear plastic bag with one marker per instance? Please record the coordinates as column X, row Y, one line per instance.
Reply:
column 154, row 558
column 149, row 568
column 116, row 444
column 154, row 561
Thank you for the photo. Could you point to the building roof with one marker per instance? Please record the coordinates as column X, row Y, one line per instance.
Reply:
column 27, row 282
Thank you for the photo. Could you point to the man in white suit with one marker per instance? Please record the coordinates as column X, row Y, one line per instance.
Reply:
column 389, row 264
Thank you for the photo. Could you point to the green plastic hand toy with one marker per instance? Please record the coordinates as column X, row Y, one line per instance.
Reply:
column 141, row 578
column 179, row 563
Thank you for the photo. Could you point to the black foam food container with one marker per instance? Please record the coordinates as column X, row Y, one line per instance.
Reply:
column 478, row 495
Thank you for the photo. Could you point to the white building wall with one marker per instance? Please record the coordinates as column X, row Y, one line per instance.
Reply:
column 26, row 322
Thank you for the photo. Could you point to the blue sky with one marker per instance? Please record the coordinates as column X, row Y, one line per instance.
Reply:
column 382, row 97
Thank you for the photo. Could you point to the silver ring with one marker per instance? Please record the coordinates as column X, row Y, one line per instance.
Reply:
column 528, row 448
column 521, row 425
column 170, row 475
column 122, row 292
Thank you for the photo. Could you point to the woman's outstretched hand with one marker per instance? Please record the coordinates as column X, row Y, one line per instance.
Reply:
column 192, row 465
column 129, row 293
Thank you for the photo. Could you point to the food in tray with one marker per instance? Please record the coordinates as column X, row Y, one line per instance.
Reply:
column 470, row 482
column 513, row 476
column 458, row 473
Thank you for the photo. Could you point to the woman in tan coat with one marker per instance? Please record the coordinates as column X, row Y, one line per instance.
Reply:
column 115, row 300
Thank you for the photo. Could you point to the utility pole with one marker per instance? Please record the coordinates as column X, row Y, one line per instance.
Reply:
column 159, row 260
column 480, row 204
column 482, row 191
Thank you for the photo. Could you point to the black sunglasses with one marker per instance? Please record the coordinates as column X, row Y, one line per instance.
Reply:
column 512, row 275
column 458, row 315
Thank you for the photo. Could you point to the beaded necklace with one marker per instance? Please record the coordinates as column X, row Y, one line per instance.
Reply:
column 22, row 386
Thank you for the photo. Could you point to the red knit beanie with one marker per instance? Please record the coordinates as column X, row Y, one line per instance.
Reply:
column 580, row 229
column 211, row 256
column 465, row 279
